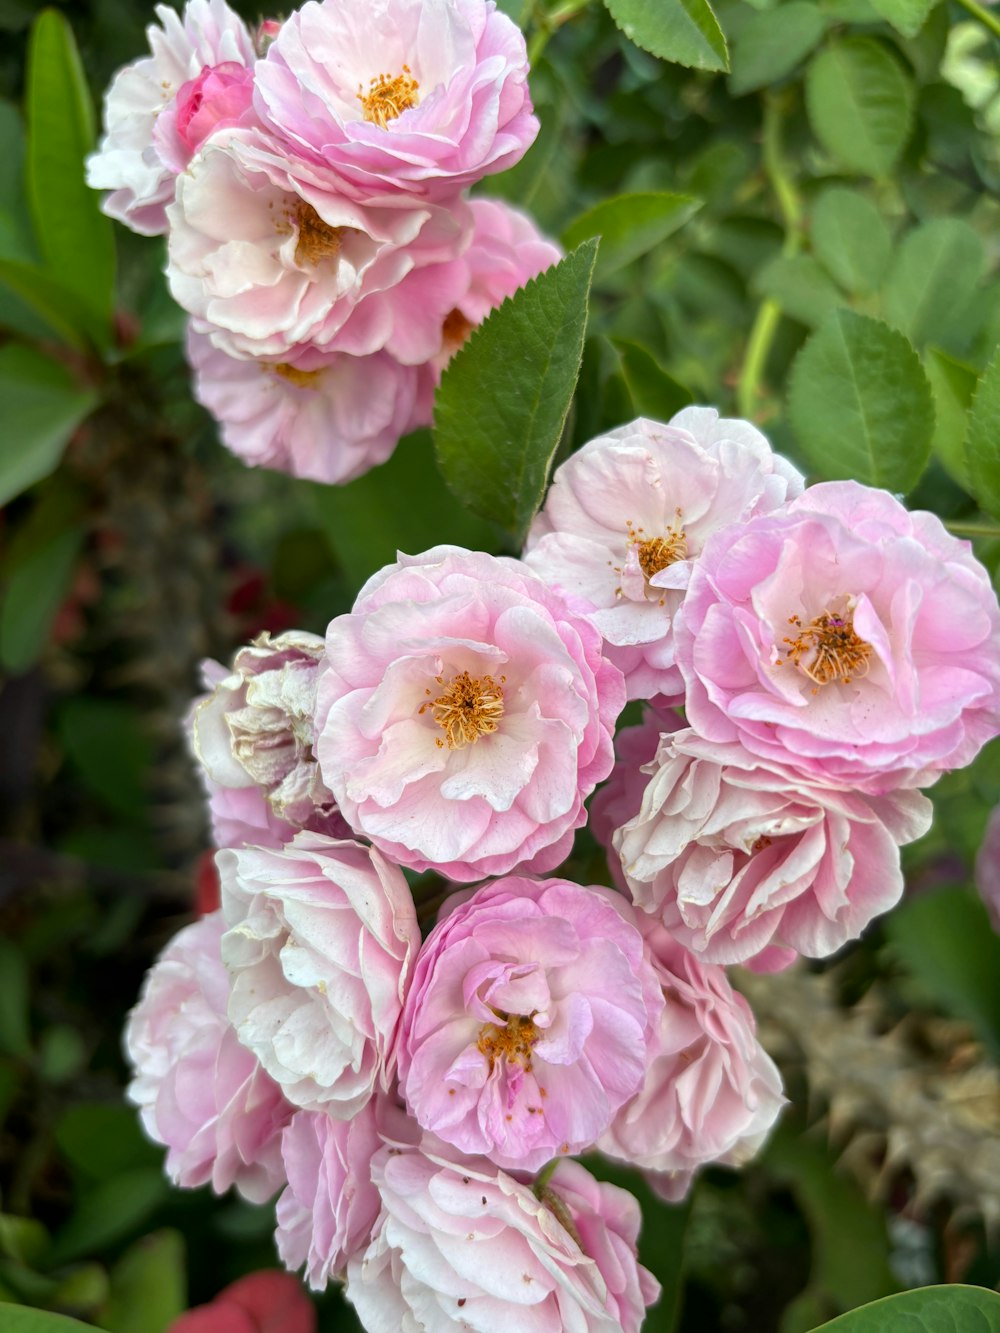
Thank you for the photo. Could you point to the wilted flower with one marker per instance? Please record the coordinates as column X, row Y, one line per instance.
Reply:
column 463, row 1244
column 844, row 638
column 711, row 1093
column 202, row 57
column 199, row 1091
column 627, row 516
column 321, row 938
column 528, row 1021
column 464, row 715
column 398, row 98
column 737, row 856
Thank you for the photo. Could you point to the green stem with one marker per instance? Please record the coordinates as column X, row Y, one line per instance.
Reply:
column 960, row 529
column 768, row 315
column 544, row 1176
column 984, row 16
column 547, row 22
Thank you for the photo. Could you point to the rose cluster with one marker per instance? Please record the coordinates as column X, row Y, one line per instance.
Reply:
column 310, row 178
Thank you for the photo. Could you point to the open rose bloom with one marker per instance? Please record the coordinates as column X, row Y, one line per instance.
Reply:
column 464, row 714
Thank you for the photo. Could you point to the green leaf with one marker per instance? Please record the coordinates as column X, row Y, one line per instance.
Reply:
column 16, row 241
column 400, row 506
column 75, row 238
column 982, row 441
column 35, row 590
column 110, row 750
column 107, row 1214
column 148, row 1286
column 62, row 313
column 945, row 939
column 906, row 16
column 953, row 385
column 629, row 225
column 683, row 31
column 772, row 43
column 654, row 393
column 860, row 104
column 504, row 398
column 19, row 1319
column 860, row 403
column 43, row 405
column 851, row 240
column 951, row 1309
column 800, row 287
column 850, row 1247
column 933, row 278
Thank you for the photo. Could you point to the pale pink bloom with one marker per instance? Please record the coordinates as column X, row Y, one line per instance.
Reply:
column 328, row 1208
column 199, row 1091
column 528, row 1021
column 711, row 1092
column 323, row 416
column 626, row 519
column 242, row 815
column 463, row 1245
column 322, row 935
column 399, row 98
column 737, row 856
column 464, row 715
column 256, row 727
column 619, row 799
column 138, row 159
column 267, row 263
column 845, row 638
column 988, row 868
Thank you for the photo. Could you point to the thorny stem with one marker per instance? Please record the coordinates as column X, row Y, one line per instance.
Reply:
column 768, row 315
column 984, row 16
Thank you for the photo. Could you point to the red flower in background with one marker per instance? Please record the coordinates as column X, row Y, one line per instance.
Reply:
column 264, row 1302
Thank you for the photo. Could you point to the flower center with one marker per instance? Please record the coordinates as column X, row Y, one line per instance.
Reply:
column 655, row 553
column 512, row 1042
column 470, row 707
column 317, row 239
column 302, row 379
column 827, row 649
column 388, row 96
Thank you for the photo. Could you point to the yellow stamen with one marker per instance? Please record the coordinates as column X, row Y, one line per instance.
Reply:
column 388, row 96
column 302, row 379
column 512, row 1042
column 317, row 239
column 455, row 330
column 470, row 707
column 827, row 649
column 656, row 553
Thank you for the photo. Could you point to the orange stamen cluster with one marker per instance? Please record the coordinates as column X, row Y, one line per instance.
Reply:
column 388, row 96
column 317, row 240
column 302, row 379
column 470, row 707
column 512, row 1042
column 827, row 649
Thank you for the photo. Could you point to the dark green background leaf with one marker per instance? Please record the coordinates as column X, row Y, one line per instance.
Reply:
column 683, row 31
column 628, row 226
column 952, row 1309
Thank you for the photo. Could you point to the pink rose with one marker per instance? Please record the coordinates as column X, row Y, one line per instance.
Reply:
column 626, row 519
column 737, row 857
column 138, row 159
column 323, row 416
column 321, row 938
column 256, row 730
column 619, row 799
column 199, row 1091
column 844, row 638
column 267, row 262
column 988, row 868
column 329, row 1206
column 711, row 1093
column 461, row 1244
column 464, row 715
column 397, row 98
column 242, row 815
column 263, row 1302
column 528, row 1021
column 220, row 97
